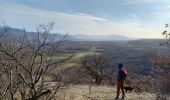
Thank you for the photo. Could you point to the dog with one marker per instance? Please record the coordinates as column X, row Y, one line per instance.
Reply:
column 128, row 88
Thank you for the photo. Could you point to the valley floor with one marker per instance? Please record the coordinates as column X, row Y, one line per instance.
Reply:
column 81, row 92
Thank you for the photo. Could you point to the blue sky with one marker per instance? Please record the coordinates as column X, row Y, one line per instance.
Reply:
column 132, row 18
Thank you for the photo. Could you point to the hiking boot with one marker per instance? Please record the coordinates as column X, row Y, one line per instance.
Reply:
column 117, row 98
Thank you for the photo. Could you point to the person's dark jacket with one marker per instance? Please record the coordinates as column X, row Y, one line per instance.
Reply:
column 120, row 75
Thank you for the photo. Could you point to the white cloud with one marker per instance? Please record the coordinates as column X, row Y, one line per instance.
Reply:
column 74, row 23
column 132, row 2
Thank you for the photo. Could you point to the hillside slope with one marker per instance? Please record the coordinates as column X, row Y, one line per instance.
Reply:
column 81, row 92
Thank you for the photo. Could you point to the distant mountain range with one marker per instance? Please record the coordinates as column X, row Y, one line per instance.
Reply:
column 100, row 38
column 14, row 33
column 18, row 33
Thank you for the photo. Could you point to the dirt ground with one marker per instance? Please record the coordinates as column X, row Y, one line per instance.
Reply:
column 81, row 92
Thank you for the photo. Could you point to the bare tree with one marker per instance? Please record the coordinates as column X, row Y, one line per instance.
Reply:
column 97, row 67
column 26, row 63
column 161, row 69
column 3, row 87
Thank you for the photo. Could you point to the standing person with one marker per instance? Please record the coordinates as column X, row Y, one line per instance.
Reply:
column 121, row 75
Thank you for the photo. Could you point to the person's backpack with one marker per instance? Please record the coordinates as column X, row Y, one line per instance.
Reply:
column 125, row 73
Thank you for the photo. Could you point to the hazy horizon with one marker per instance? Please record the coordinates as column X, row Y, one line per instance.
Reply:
column 137, row 19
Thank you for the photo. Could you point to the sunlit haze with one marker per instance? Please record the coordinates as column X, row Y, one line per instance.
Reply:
column 131, row 18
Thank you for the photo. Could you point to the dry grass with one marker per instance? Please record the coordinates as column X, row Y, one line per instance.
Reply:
column 81, row 92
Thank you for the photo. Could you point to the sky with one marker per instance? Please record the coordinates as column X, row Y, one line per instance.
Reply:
column 131, row 18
